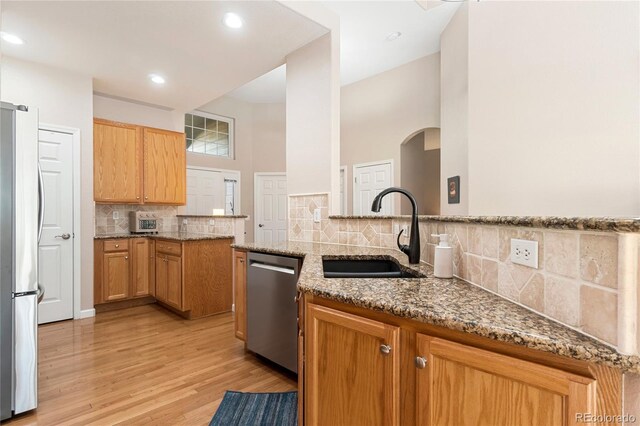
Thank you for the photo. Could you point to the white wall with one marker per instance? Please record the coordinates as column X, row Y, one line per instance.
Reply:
column 63, row 98
column 379, row 113
column 454, row 130
column 259, row 146
column 134, row 113
column 553, row 108
column 313, row 121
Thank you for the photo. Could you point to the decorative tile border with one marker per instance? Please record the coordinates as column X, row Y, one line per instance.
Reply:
column 576, row 284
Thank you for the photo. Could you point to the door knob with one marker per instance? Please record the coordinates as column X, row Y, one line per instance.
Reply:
column 63, row 236
column 261, row 225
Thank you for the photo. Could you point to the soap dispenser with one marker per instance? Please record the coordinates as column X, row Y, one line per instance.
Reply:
column 443, row 259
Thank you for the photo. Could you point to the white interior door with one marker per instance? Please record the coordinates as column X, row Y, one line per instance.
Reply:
column 205, row 191
column 55, row 261
column 369, row 181
column 271, row 208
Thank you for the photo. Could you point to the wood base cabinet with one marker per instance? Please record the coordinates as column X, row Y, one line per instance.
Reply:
column 122, row 270
column 368, row 368
column 240, row 292
column 193, row 278
column 352, row 371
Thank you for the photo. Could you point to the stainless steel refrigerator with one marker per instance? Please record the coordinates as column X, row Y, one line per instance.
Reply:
column 21, row 216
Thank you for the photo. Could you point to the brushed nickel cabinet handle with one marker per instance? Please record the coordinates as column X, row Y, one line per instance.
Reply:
column 385, row 349
column 421, row 362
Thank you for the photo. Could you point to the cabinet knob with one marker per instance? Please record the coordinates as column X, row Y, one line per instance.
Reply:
column 146, row 198
column 385, row 349
column 138, row 197
column 421, row 362
column 241, row 260
column 117, row 245
column 126, row 258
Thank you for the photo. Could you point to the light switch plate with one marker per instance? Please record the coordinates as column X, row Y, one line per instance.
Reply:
column 115, row 215
column 316, row 215
column 524, row 252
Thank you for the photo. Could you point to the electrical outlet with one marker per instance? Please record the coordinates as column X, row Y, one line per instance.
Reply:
column 115, row 215
column 212, row 222
column 184, row 221
column 316, row 215
column 524, row 252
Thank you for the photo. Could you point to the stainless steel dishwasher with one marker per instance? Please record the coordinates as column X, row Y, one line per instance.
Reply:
column 272, row 312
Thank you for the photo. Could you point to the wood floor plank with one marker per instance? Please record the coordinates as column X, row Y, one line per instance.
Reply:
column 143, row 365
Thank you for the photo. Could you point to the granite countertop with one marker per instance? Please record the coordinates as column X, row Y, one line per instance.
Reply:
column 228, row 216
column 177, row 236
column 450, row 303
column 613, row 224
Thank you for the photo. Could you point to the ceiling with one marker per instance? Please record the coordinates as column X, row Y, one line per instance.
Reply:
column 119, row 43
column 364, row 50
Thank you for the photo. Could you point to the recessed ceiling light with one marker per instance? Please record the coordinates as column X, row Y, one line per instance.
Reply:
column 11, row 38
column 394, row 35
column 157, row 79
column 232, row 20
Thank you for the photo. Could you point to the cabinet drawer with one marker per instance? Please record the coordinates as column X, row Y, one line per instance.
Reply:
column 169, row 247
column 116, row 245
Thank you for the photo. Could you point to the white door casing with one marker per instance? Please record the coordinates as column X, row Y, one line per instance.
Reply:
column 270, row 208
column 343, row 190
column 368, row 181
column 55, row 251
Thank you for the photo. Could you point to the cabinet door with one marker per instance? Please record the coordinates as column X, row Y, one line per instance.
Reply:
column 352, row 369
column 117, row 162
column 174, row 281
column 240, row 288
column 462, row 385
column 152, row 267
column 140, row 254
column 116, row 276
column 165, row 167
column 161, row 278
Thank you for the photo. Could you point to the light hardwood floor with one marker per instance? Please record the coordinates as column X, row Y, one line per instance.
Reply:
column 143, row 365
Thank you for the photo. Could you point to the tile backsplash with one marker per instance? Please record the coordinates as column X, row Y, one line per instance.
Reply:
column 105, row 224
column 576, row 283
column 169, row 222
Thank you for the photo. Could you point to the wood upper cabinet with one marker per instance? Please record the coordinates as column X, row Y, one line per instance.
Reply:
column 240, row 292
column 135, row 164
column 117, row 162
column 352, row 369
column 164, row 167
column 463, row 385
column 116, row 275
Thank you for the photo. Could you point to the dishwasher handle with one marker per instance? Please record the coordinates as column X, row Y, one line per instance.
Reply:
column 268, row 267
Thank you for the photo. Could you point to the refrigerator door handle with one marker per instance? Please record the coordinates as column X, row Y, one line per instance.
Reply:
column 41, row 202
column 40, row 293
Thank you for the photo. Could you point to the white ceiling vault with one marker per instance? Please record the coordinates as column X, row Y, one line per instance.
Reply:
column 119, row 43
column 364, row 48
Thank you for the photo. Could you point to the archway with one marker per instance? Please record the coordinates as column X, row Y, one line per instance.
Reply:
column 420, row 170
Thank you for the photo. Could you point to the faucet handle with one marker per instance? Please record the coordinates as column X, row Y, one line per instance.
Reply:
column 403, row 247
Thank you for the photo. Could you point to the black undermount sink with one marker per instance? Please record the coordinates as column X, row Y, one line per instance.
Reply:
column 366, row 268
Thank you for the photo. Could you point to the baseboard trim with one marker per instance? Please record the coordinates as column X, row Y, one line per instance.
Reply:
column 87, row 313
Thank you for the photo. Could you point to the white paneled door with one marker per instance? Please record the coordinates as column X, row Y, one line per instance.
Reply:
column 55, row 261
column 369, row 181
column 205, row 191
column 271, row 208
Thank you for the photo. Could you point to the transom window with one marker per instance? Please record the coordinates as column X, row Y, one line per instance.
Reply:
column 209, row 134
